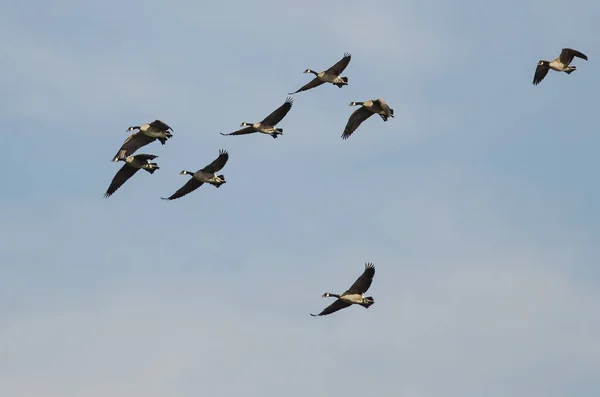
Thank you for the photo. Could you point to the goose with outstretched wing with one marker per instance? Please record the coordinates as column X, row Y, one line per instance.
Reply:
column 207, row 174
column 355, row 295
column 331, row 75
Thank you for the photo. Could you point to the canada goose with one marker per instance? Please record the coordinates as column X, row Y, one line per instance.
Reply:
column 354, row 295
column 206, row 174
column 560, row 64
column 331, row 75
column 368, row 108
column 156, row 129
column 267, row 126
column 147, row 133
column 131, row 166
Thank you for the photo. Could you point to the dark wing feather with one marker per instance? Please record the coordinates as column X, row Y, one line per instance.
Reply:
column 145, row 156
column 279, row 113
column 540, row 72
column 120, row 178
column 218, row 163
column 160, row 125
column 362, row 284
column 356, row 119
column 131, row 144
column 245, row 130
column 567, row 55
column 339, row 67
column 334, row 307
column 189, row 187
column 311, row 84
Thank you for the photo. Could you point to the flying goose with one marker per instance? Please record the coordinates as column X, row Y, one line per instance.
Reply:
column 354, row 295
column 267, row 126
column 368, row 108
column 560, row 64
column 331, row 75
column 206, row 174
column 131, row 166
column 147, row 133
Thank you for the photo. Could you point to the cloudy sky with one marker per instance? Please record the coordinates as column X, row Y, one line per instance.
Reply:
column 477, row 203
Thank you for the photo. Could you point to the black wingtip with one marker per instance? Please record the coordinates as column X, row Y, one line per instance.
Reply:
column 314, row 315
column 165, row 198
column 223, row 134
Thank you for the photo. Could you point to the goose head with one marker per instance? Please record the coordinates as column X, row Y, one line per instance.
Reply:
column 184, row 172
column 356, row 103
column 311, row 71
column 136, row 127
column 328, row 294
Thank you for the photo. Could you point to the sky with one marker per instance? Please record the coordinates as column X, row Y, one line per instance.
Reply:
column 477, row 203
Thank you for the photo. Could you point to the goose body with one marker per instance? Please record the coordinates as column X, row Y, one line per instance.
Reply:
column 202, row 176
column 147, row 133
column 331, row 75
column 131, row 166
column 367, row 109
column 267, row 125
column 355, row 295
column 560, row 64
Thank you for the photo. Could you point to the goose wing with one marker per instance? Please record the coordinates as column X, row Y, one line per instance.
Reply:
column 279, row 113
column 145, row 156
column 356, row 119
column 339, row 67
column 567, row 55
column 189, row 187
column 311, row 84
column 217, row 163
column 243, row 131
column 120, row 178
column 334, row 307
column 160, row 125
column 362, row 284
column 131, row 144
column 540, row 72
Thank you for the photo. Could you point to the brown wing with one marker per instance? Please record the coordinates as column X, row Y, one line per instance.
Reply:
column 120, row 178
column 334, row 307
column 362, row 284
column 540, row 72
column 131, row 144
column 567, row 55
column 243, row 131
column 160, row 125
column 189, row 187
column 339, row 67
column 311, row 84
column 356, row 119
column 217, row 163
column 279, row 113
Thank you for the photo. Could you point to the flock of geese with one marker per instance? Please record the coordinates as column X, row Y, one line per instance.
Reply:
column 158, row 130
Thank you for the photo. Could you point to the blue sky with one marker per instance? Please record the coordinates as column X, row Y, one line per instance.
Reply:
column 477, row 203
